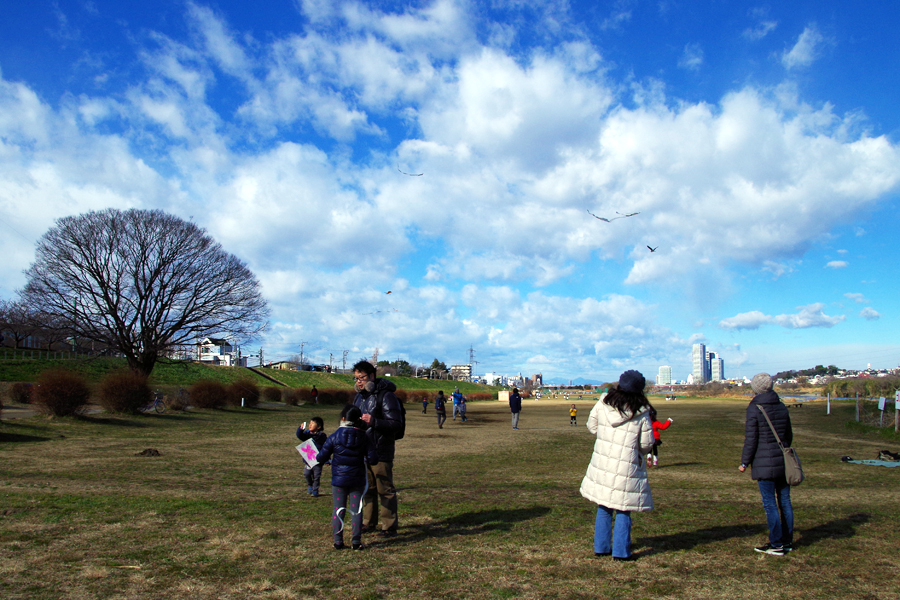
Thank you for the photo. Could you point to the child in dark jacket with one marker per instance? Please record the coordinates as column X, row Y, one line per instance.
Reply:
column 349, row 449
column 316, row 433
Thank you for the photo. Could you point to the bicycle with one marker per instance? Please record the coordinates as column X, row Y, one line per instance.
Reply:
column 157, row 404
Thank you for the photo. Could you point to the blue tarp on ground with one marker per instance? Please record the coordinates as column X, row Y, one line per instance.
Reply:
column 877, row 463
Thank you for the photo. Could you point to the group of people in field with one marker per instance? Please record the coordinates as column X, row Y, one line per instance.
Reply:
column 627, row 438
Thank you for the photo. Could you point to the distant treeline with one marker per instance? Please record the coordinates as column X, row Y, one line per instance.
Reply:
column 866, row 387
column 817, row 370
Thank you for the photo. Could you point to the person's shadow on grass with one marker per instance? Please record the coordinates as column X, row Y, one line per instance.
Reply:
column 686, row 540
column 839, row 528
column 471, row 523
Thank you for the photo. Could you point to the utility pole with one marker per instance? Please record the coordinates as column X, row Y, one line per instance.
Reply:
column 301, row 352
column 344, row 368
column 330, row 361
column 260, row 357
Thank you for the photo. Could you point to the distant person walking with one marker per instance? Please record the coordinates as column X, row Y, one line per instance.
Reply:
column 764, row 457
column 440, row 407
column 616, row 478
column 315, row 395
column 515, row 407
column 573, row 415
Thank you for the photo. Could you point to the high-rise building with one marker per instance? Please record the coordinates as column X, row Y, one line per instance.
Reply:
column 665, row 376
column 716, row 367
column 701, row 364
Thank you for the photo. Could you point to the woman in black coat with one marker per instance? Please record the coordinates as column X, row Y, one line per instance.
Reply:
column 763, row 455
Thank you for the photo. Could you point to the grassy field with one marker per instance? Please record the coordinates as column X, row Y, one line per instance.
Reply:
column 486, row 512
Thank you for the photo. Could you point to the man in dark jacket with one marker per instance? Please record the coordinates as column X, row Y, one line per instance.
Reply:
column 515, row 407
column 763, row 454
column 384, row 420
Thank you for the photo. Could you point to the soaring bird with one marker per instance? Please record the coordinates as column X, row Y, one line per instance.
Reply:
column 614, row 218
column 410, row 174
column 652, row 249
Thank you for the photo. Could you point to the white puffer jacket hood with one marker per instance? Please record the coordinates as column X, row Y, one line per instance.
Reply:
column 617, row 475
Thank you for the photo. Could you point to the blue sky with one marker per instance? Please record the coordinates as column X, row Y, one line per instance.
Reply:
column 757, row 142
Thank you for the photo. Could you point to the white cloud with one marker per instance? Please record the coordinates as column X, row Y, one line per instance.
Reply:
column 515, row 148
column 805, row 51
column 858, row 298
column 809, row 316
column 837, row 264
column 692, row 57
column 869, row 314
column 760, row 30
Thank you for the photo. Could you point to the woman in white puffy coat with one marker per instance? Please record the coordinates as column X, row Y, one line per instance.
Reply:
column 616, row 478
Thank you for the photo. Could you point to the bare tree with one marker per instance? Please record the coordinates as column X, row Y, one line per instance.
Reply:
column 16, row 321
column 141, row 282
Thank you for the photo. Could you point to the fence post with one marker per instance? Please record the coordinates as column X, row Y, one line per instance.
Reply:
column 857, row 407
column 828, row 412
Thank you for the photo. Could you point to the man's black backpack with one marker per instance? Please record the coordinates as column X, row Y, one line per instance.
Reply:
column 378, row 401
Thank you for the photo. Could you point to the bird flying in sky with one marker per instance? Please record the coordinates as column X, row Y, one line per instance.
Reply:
column 652, row 249
column 410, row 174
column 614, row 218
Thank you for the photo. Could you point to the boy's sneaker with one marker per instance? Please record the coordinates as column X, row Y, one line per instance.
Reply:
column 770, row 549
column 339, row 546
column 788, row 548
column 358, row 546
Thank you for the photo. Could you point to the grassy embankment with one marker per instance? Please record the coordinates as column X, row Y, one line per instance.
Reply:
column 486, row 512
column 170, row 376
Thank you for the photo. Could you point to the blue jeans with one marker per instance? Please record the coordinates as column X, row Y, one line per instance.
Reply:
column 776, row 499
column 604, row 532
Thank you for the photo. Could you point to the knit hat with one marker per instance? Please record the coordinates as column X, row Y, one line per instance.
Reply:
column 632, row 382
column 761, row 383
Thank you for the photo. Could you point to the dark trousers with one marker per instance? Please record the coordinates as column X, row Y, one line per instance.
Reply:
column 313, row 475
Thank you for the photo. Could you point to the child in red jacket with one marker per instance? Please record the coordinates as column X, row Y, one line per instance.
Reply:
column 657, row 442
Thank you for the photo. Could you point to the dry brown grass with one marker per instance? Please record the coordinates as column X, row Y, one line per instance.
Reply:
column 222, row 513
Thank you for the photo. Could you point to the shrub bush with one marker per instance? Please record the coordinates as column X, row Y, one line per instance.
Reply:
column 61, row 393
column 177, row 401
column 271, row 394
column 243, row 393
column 20, row 392
column 402, row 395
column 480, row 396
column 207, row 394
column 291, row 396
column 125, row 392
column 333, row 396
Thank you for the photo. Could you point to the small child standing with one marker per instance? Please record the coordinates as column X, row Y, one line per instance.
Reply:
column 573, row 412
column 349, row 450
column 657, row 441
column 462, row 409
column 425, row 405
column 316, row 433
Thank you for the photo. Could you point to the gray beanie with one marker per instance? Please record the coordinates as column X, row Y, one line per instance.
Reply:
column 761, row 383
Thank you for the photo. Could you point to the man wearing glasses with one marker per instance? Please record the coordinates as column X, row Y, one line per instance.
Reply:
column 384, row 419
